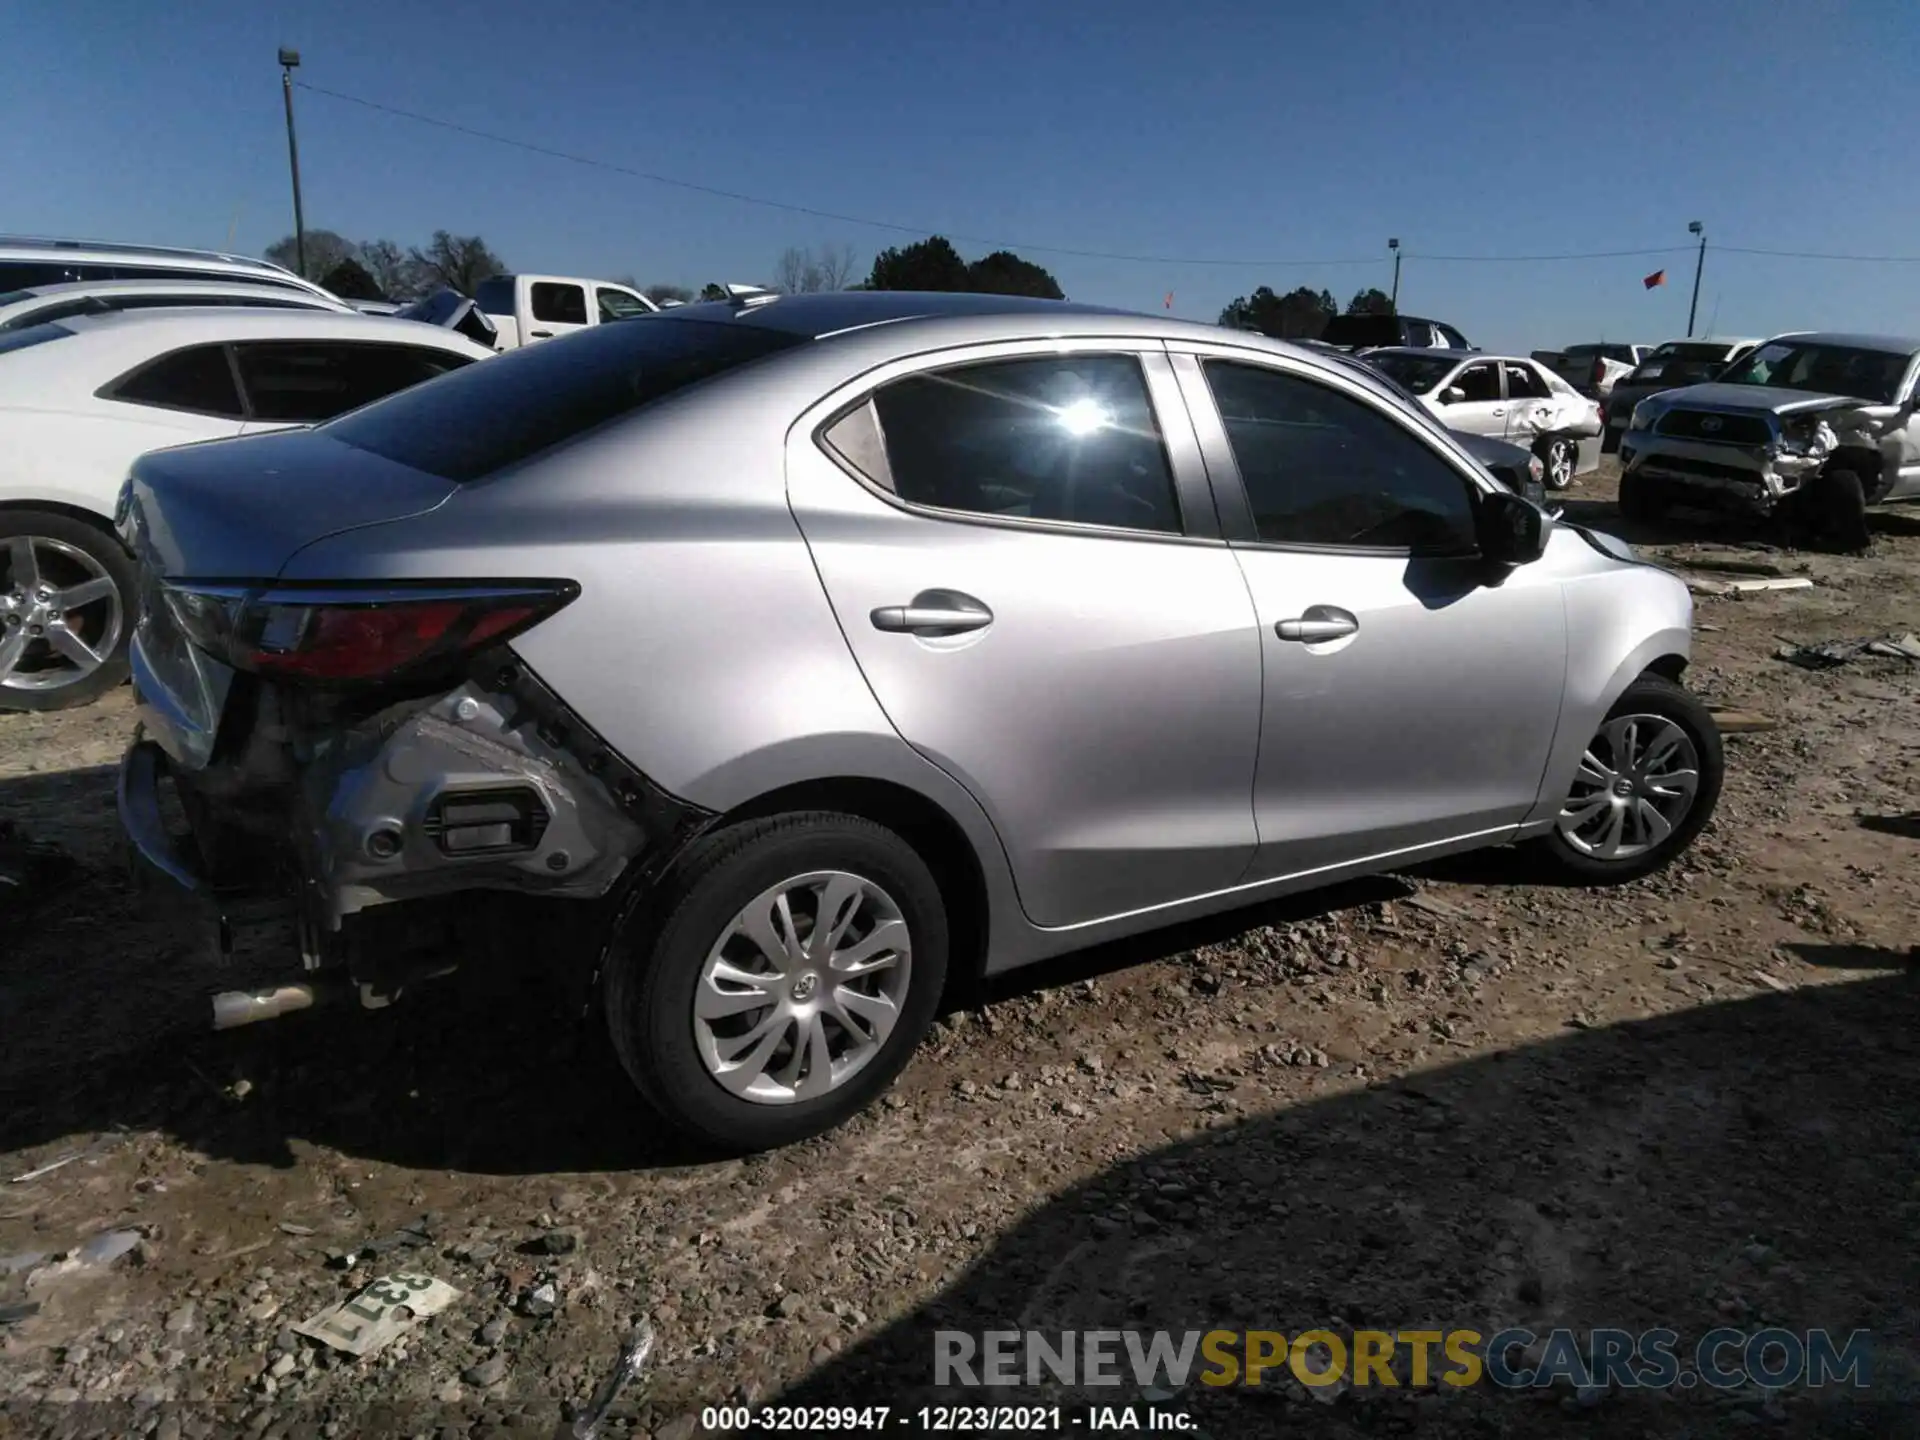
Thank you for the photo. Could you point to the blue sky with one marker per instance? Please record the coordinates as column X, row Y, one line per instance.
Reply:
column 1198, row 131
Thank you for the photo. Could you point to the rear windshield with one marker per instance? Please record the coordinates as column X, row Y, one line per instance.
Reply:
column 493, row 414
column 1363, row 330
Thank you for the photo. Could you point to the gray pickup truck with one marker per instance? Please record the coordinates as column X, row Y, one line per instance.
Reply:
column 1811, row 428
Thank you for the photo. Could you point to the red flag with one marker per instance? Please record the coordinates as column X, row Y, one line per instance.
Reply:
column 1169, row 300
column 1658, row 277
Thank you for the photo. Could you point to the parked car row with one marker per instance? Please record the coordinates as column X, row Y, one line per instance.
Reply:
column 1080, row 623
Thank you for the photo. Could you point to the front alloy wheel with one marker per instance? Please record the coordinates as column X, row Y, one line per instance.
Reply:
column 1646, row 785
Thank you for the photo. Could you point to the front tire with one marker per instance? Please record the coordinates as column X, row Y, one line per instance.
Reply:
column 1647, row 785
column 792, row 966
column 69, row 593
column 1832, row 509
column 1637, row 501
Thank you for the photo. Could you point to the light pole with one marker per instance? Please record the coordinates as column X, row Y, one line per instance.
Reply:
column 288, row 60
column 1394, row 302
column 1696, row 228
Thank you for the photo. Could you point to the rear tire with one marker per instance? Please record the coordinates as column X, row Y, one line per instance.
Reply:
column 1656, row 734
column 681, row 986
column 1558, row 458
column 47, row 554
column 1637, row 500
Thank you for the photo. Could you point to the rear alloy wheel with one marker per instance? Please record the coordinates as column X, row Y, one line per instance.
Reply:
column 1558, row 457
column 1646, row 786
column 799, row 961
column 67, row 600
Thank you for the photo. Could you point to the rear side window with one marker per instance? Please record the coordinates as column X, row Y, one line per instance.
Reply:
column 304, row 382
column 1070, row 439
column 560, row 304
column 491, row 416
column 200, row 380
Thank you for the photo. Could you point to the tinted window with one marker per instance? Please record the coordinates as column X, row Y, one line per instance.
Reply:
column 1067, row 438
column 1322, row 468
column 495, row 296
column 199, row 379
column 1452, row 338
column 618, row 305
column 32, row 335
column 560, row 304
column 1363, row 330
column 490, row 416
column 304, row 382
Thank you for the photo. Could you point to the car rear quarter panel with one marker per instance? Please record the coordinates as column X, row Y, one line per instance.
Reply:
column 1622, row 619
column 702, row 646
column 78, row 456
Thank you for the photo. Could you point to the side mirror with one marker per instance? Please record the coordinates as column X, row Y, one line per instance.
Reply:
column 1510, row 531
column 1452, row 395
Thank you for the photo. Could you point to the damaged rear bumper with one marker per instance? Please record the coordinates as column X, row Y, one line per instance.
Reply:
column 494, row 786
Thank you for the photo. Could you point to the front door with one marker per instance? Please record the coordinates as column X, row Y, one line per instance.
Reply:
column 555, row 307
column 1410, row 698
column 1010, row 548
column 1481, row 408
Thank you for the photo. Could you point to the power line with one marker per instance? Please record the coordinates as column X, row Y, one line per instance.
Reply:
column 1197, row 262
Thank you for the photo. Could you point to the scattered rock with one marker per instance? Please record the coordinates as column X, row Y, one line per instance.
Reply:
column 493, row 1332
column 540, row 1301
column 487, row 1373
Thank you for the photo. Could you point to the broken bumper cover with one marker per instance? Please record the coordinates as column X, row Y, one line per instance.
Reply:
column 1755, row 476
column 146, row 827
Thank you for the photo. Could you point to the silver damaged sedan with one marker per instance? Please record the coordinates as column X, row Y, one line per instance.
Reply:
column 812, row 653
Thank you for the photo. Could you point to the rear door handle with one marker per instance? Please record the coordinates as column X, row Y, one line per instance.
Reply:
column 1322, row 622
column 933, row 613
column 1501, row 411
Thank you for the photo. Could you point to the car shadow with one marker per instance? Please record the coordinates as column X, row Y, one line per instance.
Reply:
column 499, row 1068
column 1679, row 527
column 1740, row 1165
column 1859, row 957
column 1907, row 826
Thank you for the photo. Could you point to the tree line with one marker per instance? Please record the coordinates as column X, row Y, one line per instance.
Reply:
column 383, row 270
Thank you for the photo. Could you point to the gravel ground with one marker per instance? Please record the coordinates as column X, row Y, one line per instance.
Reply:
column 1453, row 1098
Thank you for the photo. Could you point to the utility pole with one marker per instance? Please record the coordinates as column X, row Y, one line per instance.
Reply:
column 1394, row 303
column 1696, row 228
column 288, row 60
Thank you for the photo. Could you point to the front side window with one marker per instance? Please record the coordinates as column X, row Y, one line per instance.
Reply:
column 1477, row 383
column 1322, row 468
column 305, row 382
column 559, row 304
column 1066, row 438
column 200, row 380
column 618, row 305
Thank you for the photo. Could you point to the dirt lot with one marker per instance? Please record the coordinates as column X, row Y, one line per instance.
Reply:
column 1450, row 1099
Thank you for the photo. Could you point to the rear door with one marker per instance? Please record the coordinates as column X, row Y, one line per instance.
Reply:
column 303, row 382
column 1021, row 550
column 552, row 307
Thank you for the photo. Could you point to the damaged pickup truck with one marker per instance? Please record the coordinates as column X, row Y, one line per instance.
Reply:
column 1809, row 429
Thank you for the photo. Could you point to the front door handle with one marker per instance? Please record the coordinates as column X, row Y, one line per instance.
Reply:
column 933, row 613
column 542, row 334
column 1322, row 622
column 1501, row 411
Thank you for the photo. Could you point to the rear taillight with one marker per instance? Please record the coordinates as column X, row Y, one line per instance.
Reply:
column 1603, row 412
column 1599, row 370
column 357, row 635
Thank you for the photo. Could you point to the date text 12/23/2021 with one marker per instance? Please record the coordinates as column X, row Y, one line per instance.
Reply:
column 941, row 1419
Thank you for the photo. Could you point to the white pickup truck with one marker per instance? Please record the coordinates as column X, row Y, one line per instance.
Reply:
column 526, row 308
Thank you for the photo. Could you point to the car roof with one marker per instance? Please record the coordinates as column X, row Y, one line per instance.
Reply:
column 1892, row 344
column 36, row 245
column 819, row 315
column 183, row 323
column 213, row 283
column 1429, row 351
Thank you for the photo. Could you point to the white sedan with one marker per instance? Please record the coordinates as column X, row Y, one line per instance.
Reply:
column 42, row 304
column 82, row 398
column 1507, row 398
